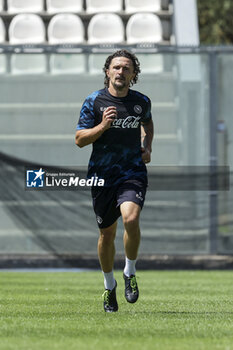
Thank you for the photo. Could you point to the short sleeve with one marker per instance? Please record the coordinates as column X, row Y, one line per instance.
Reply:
column 87, row 116
column 147, row 115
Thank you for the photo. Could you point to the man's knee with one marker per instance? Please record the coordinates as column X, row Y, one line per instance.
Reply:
column 107, row 235
column 130, row 214
column 131, row 220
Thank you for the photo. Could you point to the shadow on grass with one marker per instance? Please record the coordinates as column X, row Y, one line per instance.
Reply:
column 126, row 311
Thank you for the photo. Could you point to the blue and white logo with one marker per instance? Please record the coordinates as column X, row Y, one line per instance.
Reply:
column 35, row 178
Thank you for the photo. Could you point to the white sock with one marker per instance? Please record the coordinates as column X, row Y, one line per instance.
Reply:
column 109, row 280
column 129, row 267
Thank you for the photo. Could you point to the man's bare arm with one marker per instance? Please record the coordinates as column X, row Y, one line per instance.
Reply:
column 148, row 134
column 85, row 137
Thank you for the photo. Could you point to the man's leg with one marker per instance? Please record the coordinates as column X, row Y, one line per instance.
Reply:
column 106, row 247
column 130, row 214
column 106, row 253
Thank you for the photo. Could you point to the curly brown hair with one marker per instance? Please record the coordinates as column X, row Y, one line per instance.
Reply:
column 122, row 53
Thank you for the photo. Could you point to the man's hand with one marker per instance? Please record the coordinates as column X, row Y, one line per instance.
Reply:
column 146, row 155
column 147, row 132
column 109, row 116
column 86, row 136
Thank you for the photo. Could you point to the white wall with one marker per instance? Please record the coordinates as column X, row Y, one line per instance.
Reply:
column 186, row 22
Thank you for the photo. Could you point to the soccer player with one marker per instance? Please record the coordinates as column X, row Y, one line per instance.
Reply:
column 111, row 119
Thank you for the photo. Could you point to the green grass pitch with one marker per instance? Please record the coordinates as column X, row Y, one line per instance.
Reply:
column 176, row 310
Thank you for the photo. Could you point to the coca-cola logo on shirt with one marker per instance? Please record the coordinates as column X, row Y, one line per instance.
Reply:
column 131, row 122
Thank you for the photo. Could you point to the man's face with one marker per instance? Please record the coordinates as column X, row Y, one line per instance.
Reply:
column 120, row 73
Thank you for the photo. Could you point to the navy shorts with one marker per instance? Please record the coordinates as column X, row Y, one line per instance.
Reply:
column 107, row 200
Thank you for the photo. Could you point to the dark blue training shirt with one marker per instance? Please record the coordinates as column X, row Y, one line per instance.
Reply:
column 116, row 154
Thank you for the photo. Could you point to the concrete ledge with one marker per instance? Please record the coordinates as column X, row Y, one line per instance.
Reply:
column 152, row 262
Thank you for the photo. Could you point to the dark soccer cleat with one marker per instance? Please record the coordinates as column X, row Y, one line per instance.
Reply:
column 131, row 289
column 110, row 302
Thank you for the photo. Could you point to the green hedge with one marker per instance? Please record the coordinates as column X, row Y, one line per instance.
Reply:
column 215, row 21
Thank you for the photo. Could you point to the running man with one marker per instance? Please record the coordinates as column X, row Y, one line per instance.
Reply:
column 111, row 119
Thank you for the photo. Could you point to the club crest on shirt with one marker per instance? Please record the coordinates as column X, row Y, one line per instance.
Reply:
column 137, row 109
